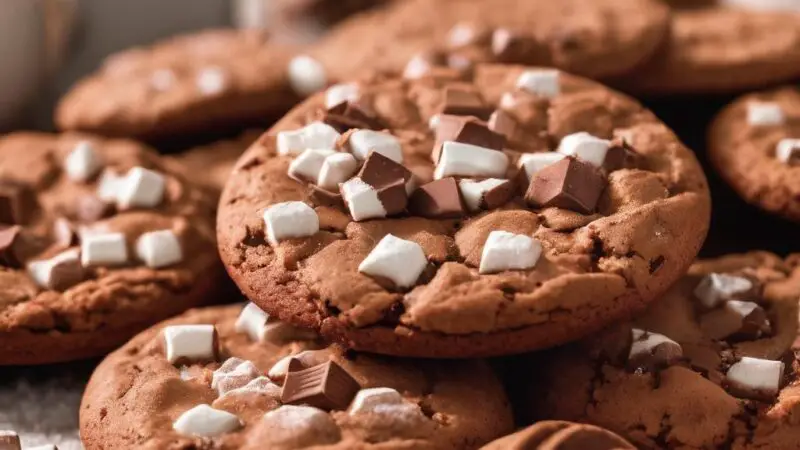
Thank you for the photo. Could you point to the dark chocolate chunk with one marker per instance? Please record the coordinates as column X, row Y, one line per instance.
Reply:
column 465, row 130
column 17, row 247
column 568, row 184
column 498, row 195
column 349, row 115
column 326, row 386
column 389, row 179
column 438, row 199
column 17, row 203
column 460, row 101
column 620, row 155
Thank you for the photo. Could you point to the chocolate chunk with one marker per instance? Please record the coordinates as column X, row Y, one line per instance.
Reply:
column 17, row 203
column 64, row 233
column 17, row 247
column 389, row 179
column 438, row 199
column 501, row 122
column 568, row 184
column 349, row 115
column 326, row 386
column 498, row 195
column 65, row 273
column 91, row 208
column 460, row 101
column 620, row 155
column 510, row 46
column 736, row 321
column 465, row 130
column 322, row 197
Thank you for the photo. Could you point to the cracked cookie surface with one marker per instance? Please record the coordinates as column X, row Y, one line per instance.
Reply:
column 648, row 225
column 692, row 402
column 50, row 315
column 135, row 395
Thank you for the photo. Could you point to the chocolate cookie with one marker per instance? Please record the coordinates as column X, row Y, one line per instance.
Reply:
column 448, row 235
column 232, row 378
column 598, row 38
column 754, row 143
column 558, row 435
column 299, row 20
column 710, row 365
column 210, row 165
column 99, row 239
column 721, row 48
column 198, row 83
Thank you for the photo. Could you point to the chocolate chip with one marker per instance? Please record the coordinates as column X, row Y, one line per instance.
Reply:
column 17, row 203
column 326, row 386
column 568, row 184
column 91, row 208
column 465, row 130
column 322, row 197
column 501, row 122
column 498, row 195
column 620, row 155
column 511, row 46
column 438, row 199
column 349, row 115
column 460, row 101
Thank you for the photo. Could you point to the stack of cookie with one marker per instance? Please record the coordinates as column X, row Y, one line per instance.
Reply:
column 448, row 185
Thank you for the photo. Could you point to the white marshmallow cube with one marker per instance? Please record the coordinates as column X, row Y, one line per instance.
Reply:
column 41, row 270
column 472, row 191
column 252, row 321
column 461, row 35
column 191, row 342
column 765, row 114
column 290, row 220
column 585, row 147
column 106, row 249
column 308, row 165
column 534, row 162
column 761, row 376
column 142, row 188
column 316, row 135
column 362, row 200
column 307, row 75
column 234, row 373
column 82, row 163
column 205, row 421
column 716, row 288
column 260, row 385
column 211, row 81
column 159, row 249
column 417, row 67
column 363, row 141
column 509, row 251
column 397, row 259
column 651, row 340
column 542, row 82
column 787, row 149
column 366, row 400
column 304, row 424
column 109, row 185
column 466, row 160
column 337, row 168
column 341, row 93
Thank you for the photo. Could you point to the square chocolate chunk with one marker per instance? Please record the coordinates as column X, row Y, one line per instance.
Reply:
column 568, row 184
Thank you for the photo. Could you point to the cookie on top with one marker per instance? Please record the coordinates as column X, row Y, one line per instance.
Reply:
column 98, row 240
column 234, row 378
column 711, row 364
column 560, row 435
column 515, row 209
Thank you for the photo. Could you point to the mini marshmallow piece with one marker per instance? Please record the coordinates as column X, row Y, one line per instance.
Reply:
column 106, row 249
column 308, row 165
column 9, row 440
column 163, row 80
column 461, row 35
column 59, row 272
column 340, row 93
column 472, row 191
column 82, row 163
column 417, row 67
column 233, row 374
column 337, row 168
column 534, row 162
column 717, row 287
column 434, row 121
column 260, row 385
column 466, row 160
column 788, row 151
column 652, row 351
column 363, row 141
column 141, row 188
column 290, row 220
column 736, row 319
column 306, row 75
column 585, row 147
column 211, row 81
column 205, row 421
column 366, row 400
column 399, row 260
column 764, row 114
column 108, row 185
column 362, row 200
column 252, row 321
column 302, row 426
column 316, row 135
column 509, row 251
column 755, row 378
column 544, row 83
column 159, row 249
column 191, row 342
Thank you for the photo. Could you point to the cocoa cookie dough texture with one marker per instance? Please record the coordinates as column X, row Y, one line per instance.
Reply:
column 232, row 378
column 556, row 435
column 515, row 209
column 712, row 364
column 98, row 240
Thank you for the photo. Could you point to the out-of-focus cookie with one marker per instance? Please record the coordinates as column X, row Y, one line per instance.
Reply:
column 719, row 47
column 210, row 165
column 99, row 239
column 754, row 143
column 560, row 435
column 517, row 209
column 597, row 38
column 193, row 84
column 232, row 378
column 710, row 365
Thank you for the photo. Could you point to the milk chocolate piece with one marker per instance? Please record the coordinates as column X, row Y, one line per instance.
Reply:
column 438, row 199
column 322, row 197
column 65, row 274
column 498, row 195
column 620, row 155
column 501, row 122
column 17, row 247
column 460, row 101
column 568, row 184
column 91, row 208
column 389, row 179
column 349, row 115
column 465, row 130
column 326, row 386
column 17, row 203
column 510, row 46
